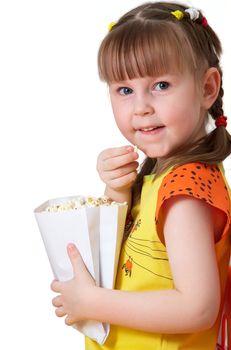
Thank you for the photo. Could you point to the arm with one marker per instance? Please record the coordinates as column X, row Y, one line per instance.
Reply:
column 194, row 303
column 191, row 306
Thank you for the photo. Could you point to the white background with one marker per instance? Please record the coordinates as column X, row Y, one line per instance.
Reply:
column 55, row 119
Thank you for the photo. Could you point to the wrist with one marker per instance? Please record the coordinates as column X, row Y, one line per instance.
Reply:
column 93, row 304
column 120, row 196
column 117, row 195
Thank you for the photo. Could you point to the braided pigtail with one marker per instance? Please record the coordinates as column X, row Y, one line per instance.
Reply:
column 219, row 138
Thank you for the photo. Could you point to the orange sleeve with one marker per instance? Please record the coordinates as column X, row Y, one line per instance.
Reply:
column 198, row 180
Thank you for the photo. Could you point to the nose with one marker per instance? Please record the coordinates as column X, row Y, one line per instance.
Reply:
column 143, row 106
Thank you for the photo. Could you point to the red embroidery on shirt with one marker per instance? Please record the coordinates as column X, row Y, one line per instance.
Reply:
column 128, row 267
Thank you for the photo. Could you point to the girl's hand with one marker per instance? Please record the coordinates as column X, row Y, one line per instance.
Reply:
column 117, row 167
column 74, row 294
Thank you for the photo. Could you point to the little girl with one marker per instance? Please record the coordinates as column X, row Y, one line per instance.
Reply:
column 161, row 63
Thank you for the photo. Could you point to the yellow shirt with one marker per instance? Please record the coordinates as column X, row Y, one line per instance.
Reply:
column 144, row 261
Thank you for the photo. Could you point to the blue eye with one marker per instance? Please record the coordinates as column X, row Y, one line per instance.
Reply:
column 163, row 85
column 125, row 91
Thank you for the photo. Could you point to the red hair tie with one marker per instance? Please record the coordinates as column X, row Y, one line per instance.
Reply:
column 204, row 22
column 221, row 121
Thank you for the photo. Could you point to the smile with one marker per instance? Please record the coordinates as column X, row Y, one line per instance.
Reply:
column 151, row 130
column 147, row 129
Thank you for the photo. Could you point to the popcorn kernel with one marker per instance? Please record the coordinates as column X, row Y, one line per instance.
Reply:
column 82, row 202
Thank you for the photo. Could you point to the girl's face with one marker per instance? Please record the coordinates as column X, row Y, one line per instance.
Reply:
column 158, row 114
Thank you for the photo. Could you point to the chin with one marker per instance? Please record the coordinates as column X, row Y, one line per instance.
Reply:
column 154, row 154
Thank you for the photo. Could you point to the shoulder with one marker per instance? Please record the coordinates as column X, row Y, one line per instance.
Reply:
column 197, row 187
column 203, row 181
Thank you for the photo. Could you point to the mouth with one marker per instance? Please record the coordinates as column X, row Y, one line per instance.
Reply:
column 151, row 130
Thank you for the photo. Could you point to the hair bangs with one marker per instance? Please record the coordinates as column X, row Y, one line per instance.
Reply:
column 143, row 49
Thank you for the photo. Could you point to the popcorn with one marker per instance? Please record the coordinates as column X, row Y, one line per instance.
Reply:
column 81, row 202
column 136, row 148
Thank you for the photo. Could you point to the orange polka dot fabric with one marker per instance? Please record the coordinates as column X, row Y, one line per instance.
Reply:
column 198, row 180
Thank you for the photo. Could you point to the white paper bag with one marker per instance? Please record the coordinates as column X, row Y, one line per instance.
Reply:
column 112, row 222
column 97, row 232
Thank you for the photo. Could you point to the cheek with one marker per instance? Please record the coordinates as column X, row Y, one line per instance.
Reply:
column 122, row 124
column 185, row 115
column 121, row 115
column 121, row 118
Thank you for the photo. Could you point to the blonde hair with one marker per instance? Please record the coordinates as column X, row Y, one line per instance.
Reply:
column 149, row 41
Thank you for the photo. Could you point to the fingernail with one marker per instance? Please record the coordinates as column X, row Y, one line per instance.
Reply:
column 71, row 246
column 129, row 148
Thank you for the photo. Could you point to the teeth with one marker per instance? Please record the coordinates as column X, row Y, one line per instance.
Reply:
column 148, row 129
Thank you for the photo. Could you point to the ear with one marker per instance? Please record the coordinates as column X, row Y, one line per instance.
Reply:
column 211, row 87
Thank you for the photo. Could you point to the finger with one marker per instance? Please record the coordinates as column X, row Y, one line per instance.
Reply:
column 115, row 152
column 117, row 162
column 56, row 286
column 122, row 171
column 124, row 181
column 74, row 257
column 69, row 321
column 60, row 312
column 57, row 301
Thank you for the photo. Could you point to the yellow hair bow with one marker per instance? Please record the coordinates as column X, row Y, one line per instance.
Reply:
column 111, row 25
column 178, row 14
